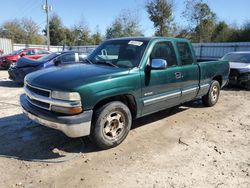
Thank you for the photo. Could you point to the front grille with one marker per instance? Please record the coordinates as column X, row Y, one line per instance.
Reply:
column 39, row 104
column 41, row 98
column 33, row 92
column 38, row 91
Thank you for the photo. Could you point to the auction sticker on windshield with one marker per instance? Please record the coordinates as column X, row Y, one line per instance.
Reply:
column 136, row 43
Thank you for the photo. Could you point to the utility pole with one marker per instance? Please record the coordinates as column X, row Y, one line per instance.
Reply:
column 47, row 9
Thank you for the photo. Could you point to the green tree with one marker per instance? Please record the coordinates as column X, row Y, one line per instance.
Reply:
column 69, row 37
column 221, row 33
column 245, row 32
column 115, row 30
column 82, row 34
column 201, row 20
column 12, row 29
column 56, row 31
column 125, row 25
column 31, row 32
column 160, row 13
column 96, row 36
column 184, row 33
column 22, row 31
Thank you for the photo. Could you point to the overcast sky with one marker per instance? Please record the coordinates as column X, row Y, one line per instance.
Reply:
column 103, row 12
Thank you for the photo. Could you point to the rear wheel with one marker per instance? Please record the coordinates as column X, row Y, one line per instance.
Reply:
column 111, row 124
column 211, row 98
column 247, row 86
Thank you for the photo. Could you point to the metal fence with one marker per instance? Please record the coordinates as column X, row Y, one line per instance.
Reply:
column 5, row 46
column 217, row 50
column 202, row 50
column 52, row 48
column 84, row 49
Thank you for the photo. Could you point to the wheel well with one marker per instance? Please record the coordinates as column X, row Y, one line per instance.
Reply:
column 219, row 79
column 127, row 99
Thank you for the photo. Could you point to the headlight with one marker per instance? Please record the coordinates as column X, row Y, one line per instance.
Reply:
column 73, row 97
column 67, row 96
column 13, row 65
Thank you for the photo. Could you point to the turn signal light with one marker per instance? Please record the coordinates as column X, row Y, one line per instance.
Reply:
column 67, row 110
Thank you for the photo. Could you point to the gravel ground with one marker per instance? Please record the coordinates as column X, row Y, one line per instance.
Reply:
column 185, row 146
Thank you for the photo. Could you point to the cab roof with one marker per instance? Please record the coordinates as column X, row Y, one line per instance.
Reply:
column 147, row 39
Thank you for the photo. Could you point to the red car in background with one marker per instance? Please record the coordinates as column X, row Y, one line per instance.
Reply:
column 32, row 53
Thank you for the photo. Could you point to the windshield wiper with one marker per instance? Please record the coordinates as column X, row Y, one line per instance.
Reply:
column 107, row 63
column 86, row 59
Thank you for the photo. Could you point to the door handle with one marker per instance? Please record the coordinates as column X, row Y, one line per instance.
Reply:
column 177, row 75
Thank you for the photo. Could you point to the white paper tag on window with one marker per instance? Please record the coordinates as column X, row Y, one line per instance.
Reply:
column 136, row 43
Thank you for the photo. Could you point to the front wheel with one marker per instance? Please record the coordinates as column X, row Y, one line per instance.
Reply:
column 247, row 86
column 111, row 124
column 211, row 98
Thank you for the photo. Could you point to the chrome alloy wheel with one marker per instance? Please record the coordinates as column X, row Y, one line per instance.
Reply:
column 114, row 125
column 214, row 93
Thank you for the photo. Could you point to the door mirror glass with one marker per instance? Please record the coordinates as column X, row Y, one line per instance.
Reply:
column 157, row 64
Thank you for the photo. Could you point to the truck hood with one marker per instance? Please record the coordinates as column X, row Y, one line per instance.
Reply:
column 237, row 65
column 69, row 78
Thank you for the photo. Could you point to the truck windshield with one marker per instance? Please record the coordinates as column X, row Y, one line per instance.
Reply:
column 237, row 58
column 119, row 53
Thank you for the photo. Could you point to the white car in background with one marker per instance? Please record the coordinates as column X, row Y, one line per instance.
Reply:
column 239, row 68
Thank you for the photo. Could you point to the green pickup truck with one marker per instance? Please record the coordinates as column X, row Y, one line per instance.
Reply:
column 121, row 80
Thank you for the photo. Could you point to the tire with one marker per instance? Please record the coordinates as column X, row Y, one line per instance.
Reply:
column 211, row 98
column 7, row 65
column 111, row 125
column 247, row 86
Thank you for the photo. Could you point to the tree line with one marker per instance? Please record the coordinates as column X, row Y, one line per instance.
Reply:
column 202, row 26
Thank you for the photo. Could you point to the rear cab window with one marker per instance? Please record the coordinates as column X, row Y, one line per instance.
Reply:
column 185, row 53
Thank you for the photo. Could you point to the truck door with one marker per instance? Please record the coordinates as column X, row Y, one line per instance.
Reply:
column 189, row 72
column 161, row 88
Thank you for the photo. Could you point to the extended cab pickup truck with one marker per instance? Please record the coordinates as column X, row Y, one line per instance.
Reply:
column 121, row 80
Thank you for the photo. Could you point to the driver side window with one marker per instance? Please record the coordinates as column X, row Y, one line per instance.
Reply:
column 164, row 50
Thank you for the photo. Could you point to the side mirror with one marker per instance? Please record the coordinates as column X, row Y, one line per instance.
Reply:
column 157, row 64
column 21, row 55
column 57, row 62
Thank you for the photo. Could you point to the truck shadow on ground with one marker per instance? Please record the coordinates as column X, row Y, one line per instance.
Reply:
column 22, row 139
column 234, row 88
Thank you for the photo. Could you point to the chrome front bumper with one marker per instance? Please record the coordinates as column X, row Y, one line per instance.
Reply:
column 73, row 126
column 73, row 131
